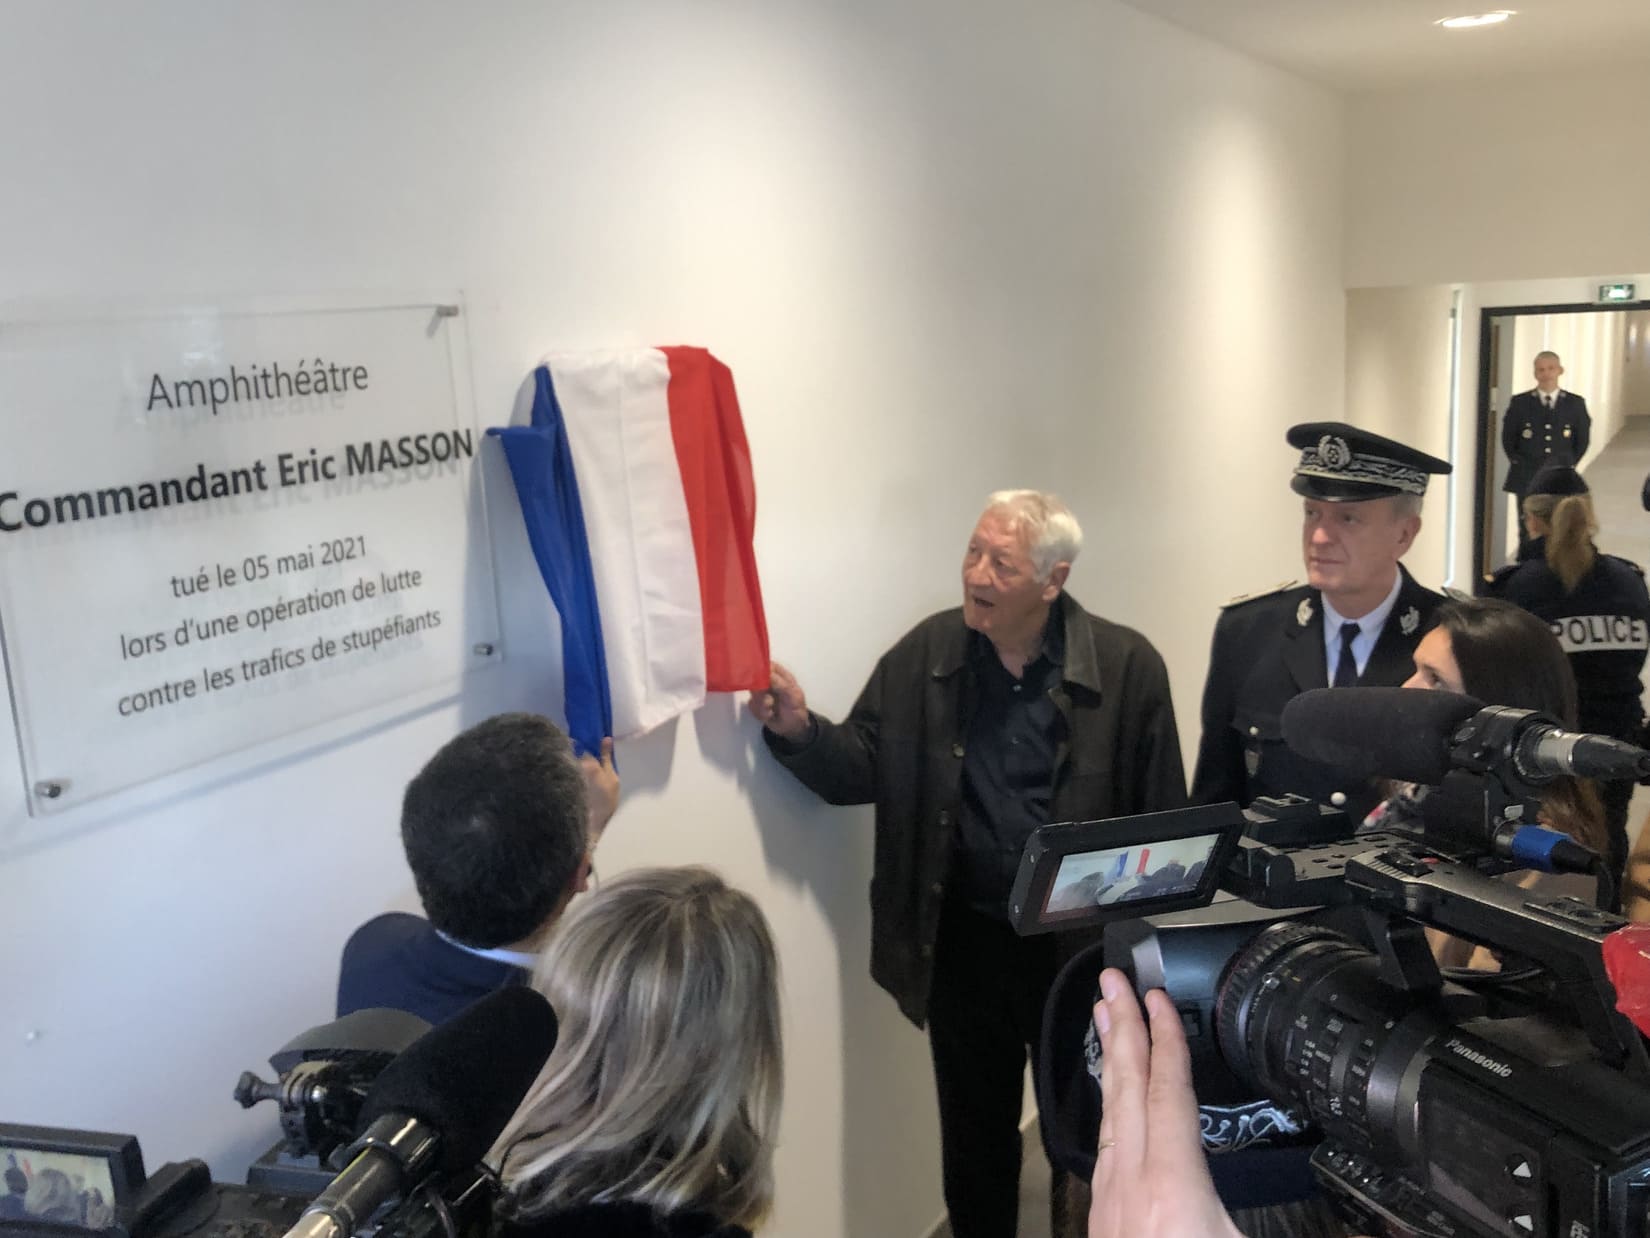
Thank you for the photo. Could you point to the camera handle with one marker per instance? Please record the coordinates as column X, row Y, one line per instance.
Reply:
column 1564, row 935
column 1407, row 962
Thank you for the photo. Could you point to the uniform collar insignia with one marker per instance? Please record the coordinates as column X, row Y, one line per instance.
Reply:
column 1410, row 621
column 1303, row 612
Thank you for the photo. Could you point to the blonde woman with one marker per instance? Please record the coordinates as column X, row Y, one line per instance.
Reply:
column 1597, row 606
column 656, row 1113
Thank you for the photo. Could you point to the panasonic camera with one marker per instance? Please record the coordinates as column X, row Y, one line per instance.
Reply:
column 1433, row 1101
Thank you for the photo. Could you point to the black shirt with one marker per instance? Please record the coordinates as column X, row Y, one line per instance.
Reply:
column 1008, row 768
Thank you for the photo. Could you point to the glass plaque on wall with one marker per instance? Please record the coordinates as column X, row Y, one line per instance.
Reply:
column 220, row 527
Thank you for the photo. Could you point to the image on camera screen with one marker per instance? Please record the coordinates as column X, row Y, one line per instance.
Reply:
column 1161, row 869
column 62, row 1187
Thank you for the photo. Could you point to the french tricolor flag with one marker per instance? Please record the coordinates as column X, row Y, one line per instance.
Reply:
column 635, row 484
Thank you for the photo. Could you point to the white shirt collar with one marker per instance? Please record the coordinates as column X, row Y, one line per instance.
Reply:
column 1369, row 625
column 1553, row 395
column 524, row 959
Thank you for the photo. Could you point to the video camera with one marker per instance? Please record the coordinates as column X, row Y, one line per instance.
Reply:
column 385, row 1122
column 1443, row 1101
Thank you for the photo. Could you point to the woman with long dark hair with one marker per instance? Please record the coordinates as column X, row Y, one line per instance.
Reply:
column 1504, row 655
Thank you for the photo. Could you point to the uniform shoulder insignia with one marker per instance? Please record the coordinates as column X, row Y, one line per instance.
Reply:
column 1241, row 598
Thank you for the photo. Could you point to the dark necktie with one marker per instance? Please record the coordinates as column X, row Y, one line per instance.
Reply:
column 1548, row 401
column 1346, row 670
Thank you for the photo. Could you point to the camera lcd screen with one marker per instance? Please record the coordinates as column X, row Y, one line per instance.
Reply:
column 74, row 1179
column 65, row 1188
column 1164, row 869
column 1078, row 873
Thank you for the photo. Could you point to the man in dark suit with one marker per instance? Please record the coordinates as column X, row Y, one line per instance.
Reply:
column 17, row 1187
column 498, row 829
column 1357, row 620
column 1547, row 425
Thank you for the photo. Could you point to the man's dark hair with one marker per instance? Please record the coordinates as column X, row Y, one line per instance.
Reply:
column 495, row 827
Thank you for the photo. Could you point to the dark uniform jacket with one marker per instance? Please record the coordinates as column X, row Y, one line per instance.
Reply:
column 1268, row 650
column 400, row 962
column 1604, row 625
column 1532, row 435
column 901, row 748
column 618, row 1220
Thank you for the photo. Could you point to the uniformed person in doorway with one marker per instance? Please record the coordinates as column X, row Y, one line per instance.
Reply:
column 1356, row 621
column 1546, row 425
column 1599, row 609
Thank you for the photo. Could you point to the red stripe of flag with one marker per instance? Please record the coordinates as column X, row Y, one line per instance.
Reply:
column 717, row 480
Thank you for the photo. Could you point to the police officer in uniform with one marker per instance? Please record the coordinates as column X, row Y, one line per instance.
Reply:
column 1543, row 426
column 1357, row 620
column 1599, row 610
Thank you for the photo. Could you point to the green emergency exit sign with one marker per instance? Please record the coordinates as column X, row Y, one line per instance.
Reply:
column 1616, row 292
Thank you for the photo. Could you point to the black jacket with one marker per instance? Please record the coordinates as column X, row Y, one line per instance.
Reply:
column 1604, row 625
column 622, row 1220
column 1531, row 435
column 1268, row 650
column 901, row 749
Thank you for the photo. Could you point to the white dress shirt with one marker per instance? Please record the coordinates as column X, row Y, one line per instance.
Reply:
column 1369, row 629
column 516, row 958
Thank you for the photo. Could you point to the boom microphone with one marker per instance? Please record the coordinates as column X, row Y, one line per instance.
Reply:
column 438, row 1106
column 1418, row 736
column 1401, row 733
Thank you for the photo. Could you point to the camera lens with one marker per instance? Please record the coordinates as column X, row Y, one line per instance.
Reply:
column 1302, row 1012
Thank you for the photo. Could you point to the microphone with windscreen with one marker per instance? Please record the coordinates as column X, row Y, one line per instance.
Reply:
column 437, row 1107
column 1401, row 733
column 1417, row 735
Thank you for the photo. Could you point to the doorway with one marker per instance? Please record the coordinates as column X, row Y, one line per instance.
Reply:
column 1605, row 354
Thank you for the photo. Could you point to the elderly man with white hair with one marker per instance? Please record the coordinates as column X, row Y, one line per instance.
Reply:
column 983, row 722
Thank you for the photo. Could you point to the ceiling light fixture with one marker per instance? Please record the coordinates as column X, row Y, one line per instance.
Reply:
column 1476, row 20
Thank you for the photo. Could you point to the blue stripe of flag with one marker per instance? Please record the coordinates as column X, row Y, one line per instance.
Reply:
column 541, row 464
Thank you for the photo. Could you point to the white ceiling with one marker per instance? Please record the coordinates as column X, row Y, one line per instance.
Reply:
column 1373, row 45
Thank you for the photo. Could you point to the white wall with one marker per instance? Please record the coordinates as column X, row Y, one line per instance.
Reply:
column 944, row 248
column 1398, row 384
column 1635, row 372
column 1513, row 192
column 1535, row 178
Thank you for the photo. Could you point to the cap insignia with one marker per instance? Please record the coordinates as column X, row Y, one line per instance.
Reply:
column 1333, row 451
